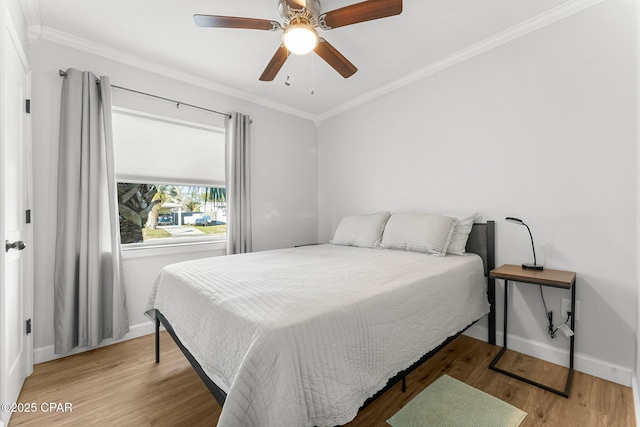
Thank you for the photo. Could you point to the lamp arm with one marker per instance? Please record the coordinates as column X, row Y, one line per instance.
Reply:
column 532, row 246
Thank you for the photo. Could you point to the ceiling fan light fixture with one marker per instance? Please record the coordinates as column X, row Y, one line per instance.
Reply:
column 300, row 38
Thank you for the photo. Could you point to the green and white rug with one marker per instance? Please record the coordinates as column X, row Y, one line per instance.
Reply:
column 452, row 403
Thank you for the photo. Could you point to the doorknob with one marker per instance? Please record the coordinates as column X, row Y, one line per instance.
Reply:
column 19, row 245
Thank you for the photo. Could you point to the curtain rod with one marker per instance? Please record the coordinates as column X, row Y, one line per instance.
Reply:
column 178, row 103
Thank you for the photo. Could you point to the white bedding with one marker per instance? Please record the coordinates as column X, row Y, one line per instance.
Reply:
column 303, row 336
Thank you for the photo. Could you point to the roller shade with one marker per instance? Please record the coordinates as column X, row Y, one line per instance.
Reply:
column 156, row 150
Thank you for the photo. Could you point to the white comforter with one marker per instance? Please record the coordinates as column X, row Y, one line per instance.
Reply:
column 302, row 337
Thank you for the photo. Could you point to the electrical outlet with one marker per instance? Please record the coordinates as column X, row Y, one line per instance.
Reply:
column 566, row 306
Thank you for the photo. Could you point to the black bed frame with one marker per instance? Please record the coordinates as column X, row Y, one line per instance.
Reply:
column 481, row 241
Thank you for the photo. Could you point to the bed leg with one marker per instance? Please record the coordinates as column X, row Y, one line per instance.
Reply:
column 404, row 384
column 157, row 339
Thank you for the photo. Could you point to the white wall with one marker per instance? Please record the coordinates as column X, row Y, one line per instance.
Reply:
column 284, row 176
column 636, row 378
column 541, row 128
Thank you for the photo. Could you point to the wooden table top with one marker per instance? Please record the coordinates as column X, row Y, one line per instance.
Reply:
column 547, row 277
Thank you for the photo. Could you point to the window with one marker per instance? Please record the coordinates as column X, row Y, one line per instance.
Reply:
column 170, row 177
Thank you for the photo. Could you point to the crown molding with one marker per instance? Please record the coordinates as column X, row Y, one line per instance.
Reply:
column 552, row 15
column 137, row 61
column 36, row 30
column 31, row 12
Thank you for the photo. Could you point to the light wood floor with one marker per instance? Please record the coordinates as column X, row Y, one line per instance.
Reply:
column 121, row 385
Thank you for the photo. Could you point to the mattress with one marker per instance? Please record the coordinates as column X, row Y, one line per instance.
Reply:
column 304, row 336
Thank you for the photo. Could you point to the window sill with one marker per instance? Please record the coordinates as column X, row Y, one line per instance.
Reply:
column 151, row 249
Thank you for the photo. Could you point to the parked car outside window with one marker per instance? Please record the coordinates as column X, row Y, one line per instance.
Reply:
column 165, row 220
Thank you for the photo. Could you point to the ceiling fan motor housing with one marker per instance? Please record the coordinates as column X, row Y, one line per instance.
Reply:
column 307, row 14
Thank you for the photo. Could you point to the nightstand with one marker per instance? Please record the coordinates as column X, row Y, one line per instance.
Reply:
column 547, row 277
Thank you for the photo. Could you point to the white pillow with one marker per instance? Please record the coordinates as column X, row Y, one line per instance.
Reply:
column 418, row 232
column 364, row 231
column 463, row 226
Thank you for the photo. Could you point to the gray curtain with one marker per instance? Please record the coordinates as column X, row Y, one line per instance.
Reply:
column 238, row 170
column 89, row 302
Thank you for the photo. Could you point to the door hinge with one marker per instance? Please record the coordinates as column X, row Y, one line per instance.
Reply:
column 27, row 106
column 28, row 326
column 28, row 216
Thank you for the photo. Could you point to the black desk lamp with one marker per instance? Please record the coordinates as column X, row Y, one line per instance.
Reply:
column 533, row 266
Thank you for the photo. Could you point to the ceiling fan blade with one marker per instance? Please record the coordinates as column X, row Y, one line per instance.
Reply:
column 213, row 21
column 361, row 12
column 335, row 59
column 296, row 4
column 275, row 64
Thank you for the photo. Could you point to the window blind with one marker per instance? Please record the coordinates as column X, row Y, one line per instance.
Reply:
column 156, row 150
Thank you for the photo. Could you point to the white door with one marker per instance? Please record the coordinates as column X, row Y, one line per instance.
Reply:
column 16, row 345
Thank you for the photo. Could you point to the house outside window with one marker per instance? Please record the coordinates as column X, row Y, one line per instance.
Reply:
column 170, row 177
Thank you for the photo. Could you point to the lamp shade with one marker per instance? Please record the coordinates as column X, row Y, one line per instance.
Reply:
column 514, row 220
column 300, row 38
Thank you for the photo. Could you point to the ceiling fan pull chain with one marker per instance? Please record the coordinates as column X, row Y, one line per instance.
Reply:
column 313, row 74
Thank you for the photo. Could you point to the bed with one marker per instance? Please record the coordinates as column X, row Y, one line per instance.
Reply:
column 306, row 336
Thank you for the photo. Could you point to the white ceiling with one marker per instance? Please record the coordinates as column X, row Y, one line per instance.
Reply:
column 385, row 51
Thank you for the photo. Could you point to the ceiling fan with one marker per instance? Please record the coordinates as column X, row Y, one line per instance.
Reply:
column 301, row 18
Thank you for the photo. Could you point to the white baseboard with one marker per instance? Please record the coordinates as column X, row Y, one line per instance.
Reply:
column 45, row 354
column 582, row 362
column 636, row 397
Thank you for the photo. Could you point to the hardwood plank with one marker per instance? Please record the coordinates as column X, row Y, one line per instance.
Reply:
column 554, row 376
column 121, row 385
